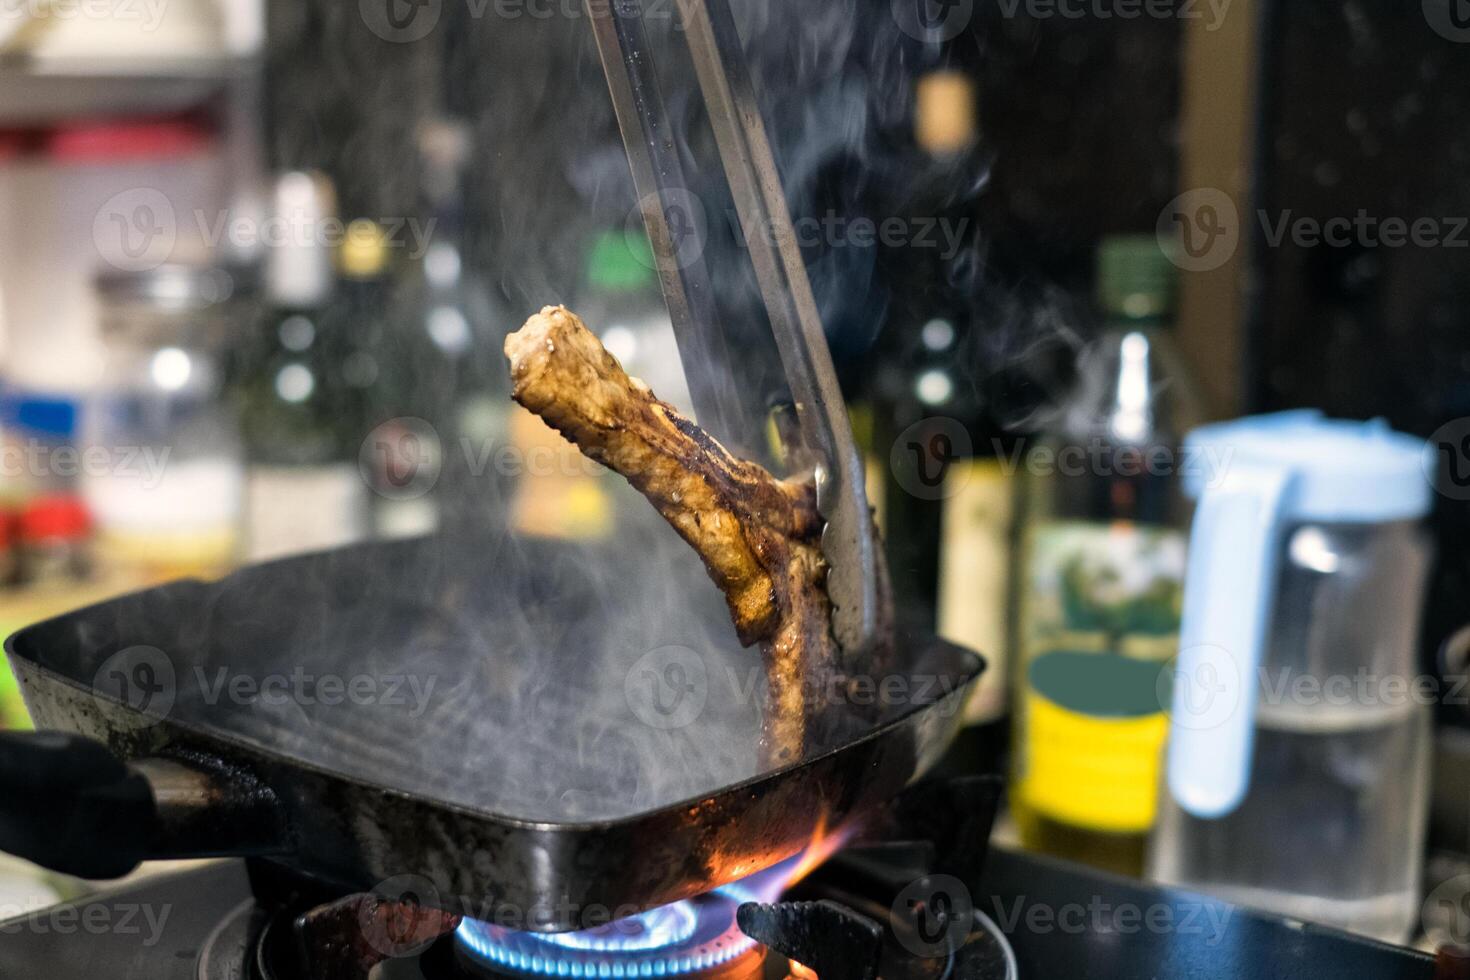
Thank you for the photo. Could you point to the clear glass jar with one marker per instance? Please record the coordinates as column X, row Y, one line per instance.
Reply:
column 1330, row 825
column 164, row 474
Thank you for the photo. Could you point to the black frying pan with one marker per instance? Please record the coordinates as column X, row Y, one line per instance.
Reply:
column 546, row 730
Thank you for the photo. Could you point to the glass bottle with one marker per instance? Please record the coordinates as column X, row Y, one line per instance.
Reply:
column 301, row 432
column 177, row 511
column 1102, row 576
column 447, row 315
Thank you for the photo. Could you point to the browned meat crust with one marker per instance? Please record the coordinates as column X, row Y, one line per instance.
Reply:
column 759, row 536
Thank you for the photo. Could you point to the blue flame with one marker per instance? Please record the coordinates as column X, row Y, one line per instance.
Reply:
column 671, row 941
column 655, row 929
column 764, row 886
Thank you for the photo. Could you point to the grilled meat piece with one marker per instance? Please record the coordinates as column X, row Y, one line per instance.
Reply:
column 759, row 536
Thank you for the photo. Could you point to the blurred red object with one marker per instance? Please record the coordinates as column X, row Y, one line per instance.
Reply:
column 59, row 517
column 129, row 139
column 13, row 143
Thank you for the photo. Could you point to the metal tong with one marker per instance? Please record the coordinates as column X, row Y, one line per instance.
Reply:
column 849, row 541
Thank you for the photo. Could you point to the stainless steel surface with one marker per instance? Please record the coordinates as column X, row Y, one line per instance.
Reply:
column 669, row 215
column 849, row 541
column 206, row 810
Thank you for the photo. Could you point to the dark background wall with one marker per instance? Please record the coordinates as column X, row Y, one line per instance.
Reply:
column 1365, row 112
column 1362, row 108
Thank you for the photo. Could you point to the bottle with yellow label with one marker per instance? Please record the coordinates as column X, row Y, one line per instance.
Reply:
column 1101, row 579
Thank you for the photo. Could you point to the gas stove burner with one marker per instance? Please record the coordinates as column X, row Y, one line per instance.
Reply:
column 689, row 938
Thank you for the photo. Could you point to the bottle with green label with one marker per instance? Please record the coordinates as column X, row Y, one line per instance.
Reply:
column 1101, row 577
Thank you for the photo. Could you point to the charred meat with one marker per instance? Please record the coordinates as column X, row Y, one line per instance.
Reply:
column 758, row 536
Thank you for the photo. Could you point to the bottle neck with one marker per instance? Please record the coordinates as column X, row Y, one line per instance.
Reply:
column 1119, row 323
column 360, row 288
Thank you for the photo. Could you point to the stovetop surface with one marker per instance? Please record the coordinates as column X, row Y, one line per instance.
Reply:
column 1190, row 936
column 1062, row 921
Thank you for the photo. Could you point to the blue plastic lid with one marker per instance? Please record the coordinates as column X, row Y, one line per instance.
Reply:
column 41, row 415
column 1346, row 472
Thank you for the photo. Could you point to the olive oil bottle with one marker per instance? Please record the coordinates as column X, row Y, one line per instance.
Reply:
column 1101, row 581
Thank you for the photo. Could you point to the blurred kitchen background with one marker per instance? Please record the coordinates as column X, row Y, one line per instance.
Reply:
column 257, row 259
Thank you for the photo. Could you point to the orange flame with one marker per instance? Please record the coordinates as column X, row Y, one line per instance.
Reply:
column 771, row 883
column 821, row 847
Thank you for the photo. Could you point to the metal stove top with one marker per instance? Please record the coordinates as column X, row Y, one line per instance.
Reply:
column 1060, row 920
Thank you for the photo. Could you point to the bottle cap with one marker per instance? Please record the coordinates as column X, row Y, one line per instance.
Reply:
column 1135, row 278
column 444, row 145
column 364, row 253
column 1346, row 472
column 944, row 113
column 52, row 417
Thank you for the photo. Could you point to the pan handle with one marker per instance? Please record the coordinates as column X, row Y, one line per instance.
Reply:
column 68, row 804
